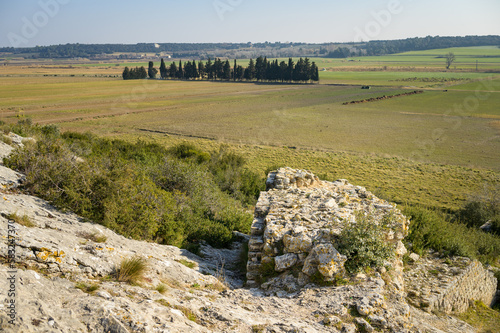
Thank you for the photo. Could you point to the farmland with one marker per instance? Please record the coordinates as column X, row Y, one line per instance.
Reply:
column 434, row 148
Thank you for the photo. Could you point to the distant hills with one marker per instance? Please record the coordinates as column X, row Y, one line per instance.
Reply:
column 248, row 50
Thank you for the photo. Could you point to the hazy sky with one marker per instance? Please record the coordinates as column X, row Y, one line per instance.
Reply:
column 46, row 22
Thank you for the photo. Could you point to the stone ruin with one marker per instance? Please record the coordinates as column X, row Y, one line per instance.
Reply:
column 297, row 221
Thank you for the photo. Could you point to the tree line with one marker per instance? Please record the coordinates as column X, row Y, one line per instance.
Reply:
column 382, row 47
column 261, row 69
column 228, row 49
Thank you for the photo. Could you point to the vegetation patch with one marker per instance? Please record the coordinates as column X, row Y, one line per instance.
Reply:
column 131, row 270
column 93, row 236
column 432, row 229
column 161, row 288
column 187, row 263
column 163, row 302
column 88, row 288
column 140, row 190
column 24, row 219
column 364, row 245
column 187, row 312
column 482, row 317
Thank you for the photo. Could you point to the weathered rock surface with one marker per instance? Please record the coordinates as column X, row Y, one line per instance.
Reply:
column 56, row 256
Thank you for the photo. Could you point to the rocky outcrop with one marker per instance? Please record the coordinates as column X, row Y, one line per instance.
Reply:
column 448, row 284
column 299, row 218
column 64, row 279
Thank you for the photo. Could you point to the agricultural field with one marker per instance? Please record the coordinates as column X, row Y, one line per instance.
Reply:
column 435, row 148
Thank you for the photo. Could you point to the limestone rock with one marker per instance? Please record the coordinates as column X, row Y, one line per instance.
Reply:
column 325, row 259
column 299, row 244
column 285, row 261
column 414, row 257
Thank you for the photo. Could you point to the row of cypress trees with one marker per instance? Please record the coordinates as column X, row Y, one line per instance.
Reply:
column 134, row 73
column 261, row 70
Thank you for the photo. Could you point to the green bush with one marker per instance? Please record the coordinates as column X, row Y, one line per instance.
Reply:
column 483, row 208
column 232, row 177
column 433, row 230
column 473, row 214
column 137, row 189
column 364, row 245
column 187, row 150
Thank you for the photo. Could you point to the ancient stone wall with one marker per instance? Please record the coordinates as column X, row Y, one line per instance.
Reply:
column 298, row 219
column 449, row 285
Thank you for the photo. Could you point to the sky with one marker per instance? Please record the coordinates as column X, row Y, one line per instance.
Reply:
column 26, row 23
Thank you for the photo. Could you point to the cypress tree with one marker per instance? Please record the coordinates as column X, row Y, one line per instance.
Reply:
column 163, row 69
column 306, row 73
column 234, row 70
column 289, row 72
column 142, row 73
column 260, row 69
column 314, row 72
column 209, row 69
column 180, row 71
column 201, row 69
column 173, row 70
column 152, row 71
column 195, row 73
column 283, row 71
column 251, row 70
column 126, row 73
column 226, row 71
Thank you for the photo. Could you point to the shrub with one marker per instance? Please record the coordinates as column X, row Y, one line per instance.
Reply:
column 232, row 177
column 187, row 150
column 473, row 214
column 364, row 245
column 7, row 139
column 481, row 209
column 432, row 230
column 131, row 270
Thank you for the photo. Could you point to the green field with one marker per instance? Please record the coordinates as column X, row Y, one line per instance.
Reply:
column 433, row 148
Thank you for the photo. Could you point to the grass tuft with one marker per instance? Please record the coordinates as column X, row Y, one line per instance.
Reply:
column 131, row 270
column 88, row 288
column 24, row 220
column 187, row 312
column 161, row 288
column 93, row 236
column 187, row 263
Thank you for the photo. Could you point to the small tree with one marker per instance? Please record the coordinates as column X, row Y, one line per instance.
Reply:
column 126, row 73
column 450, row 58
column 152, row 71
column 163, row 70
